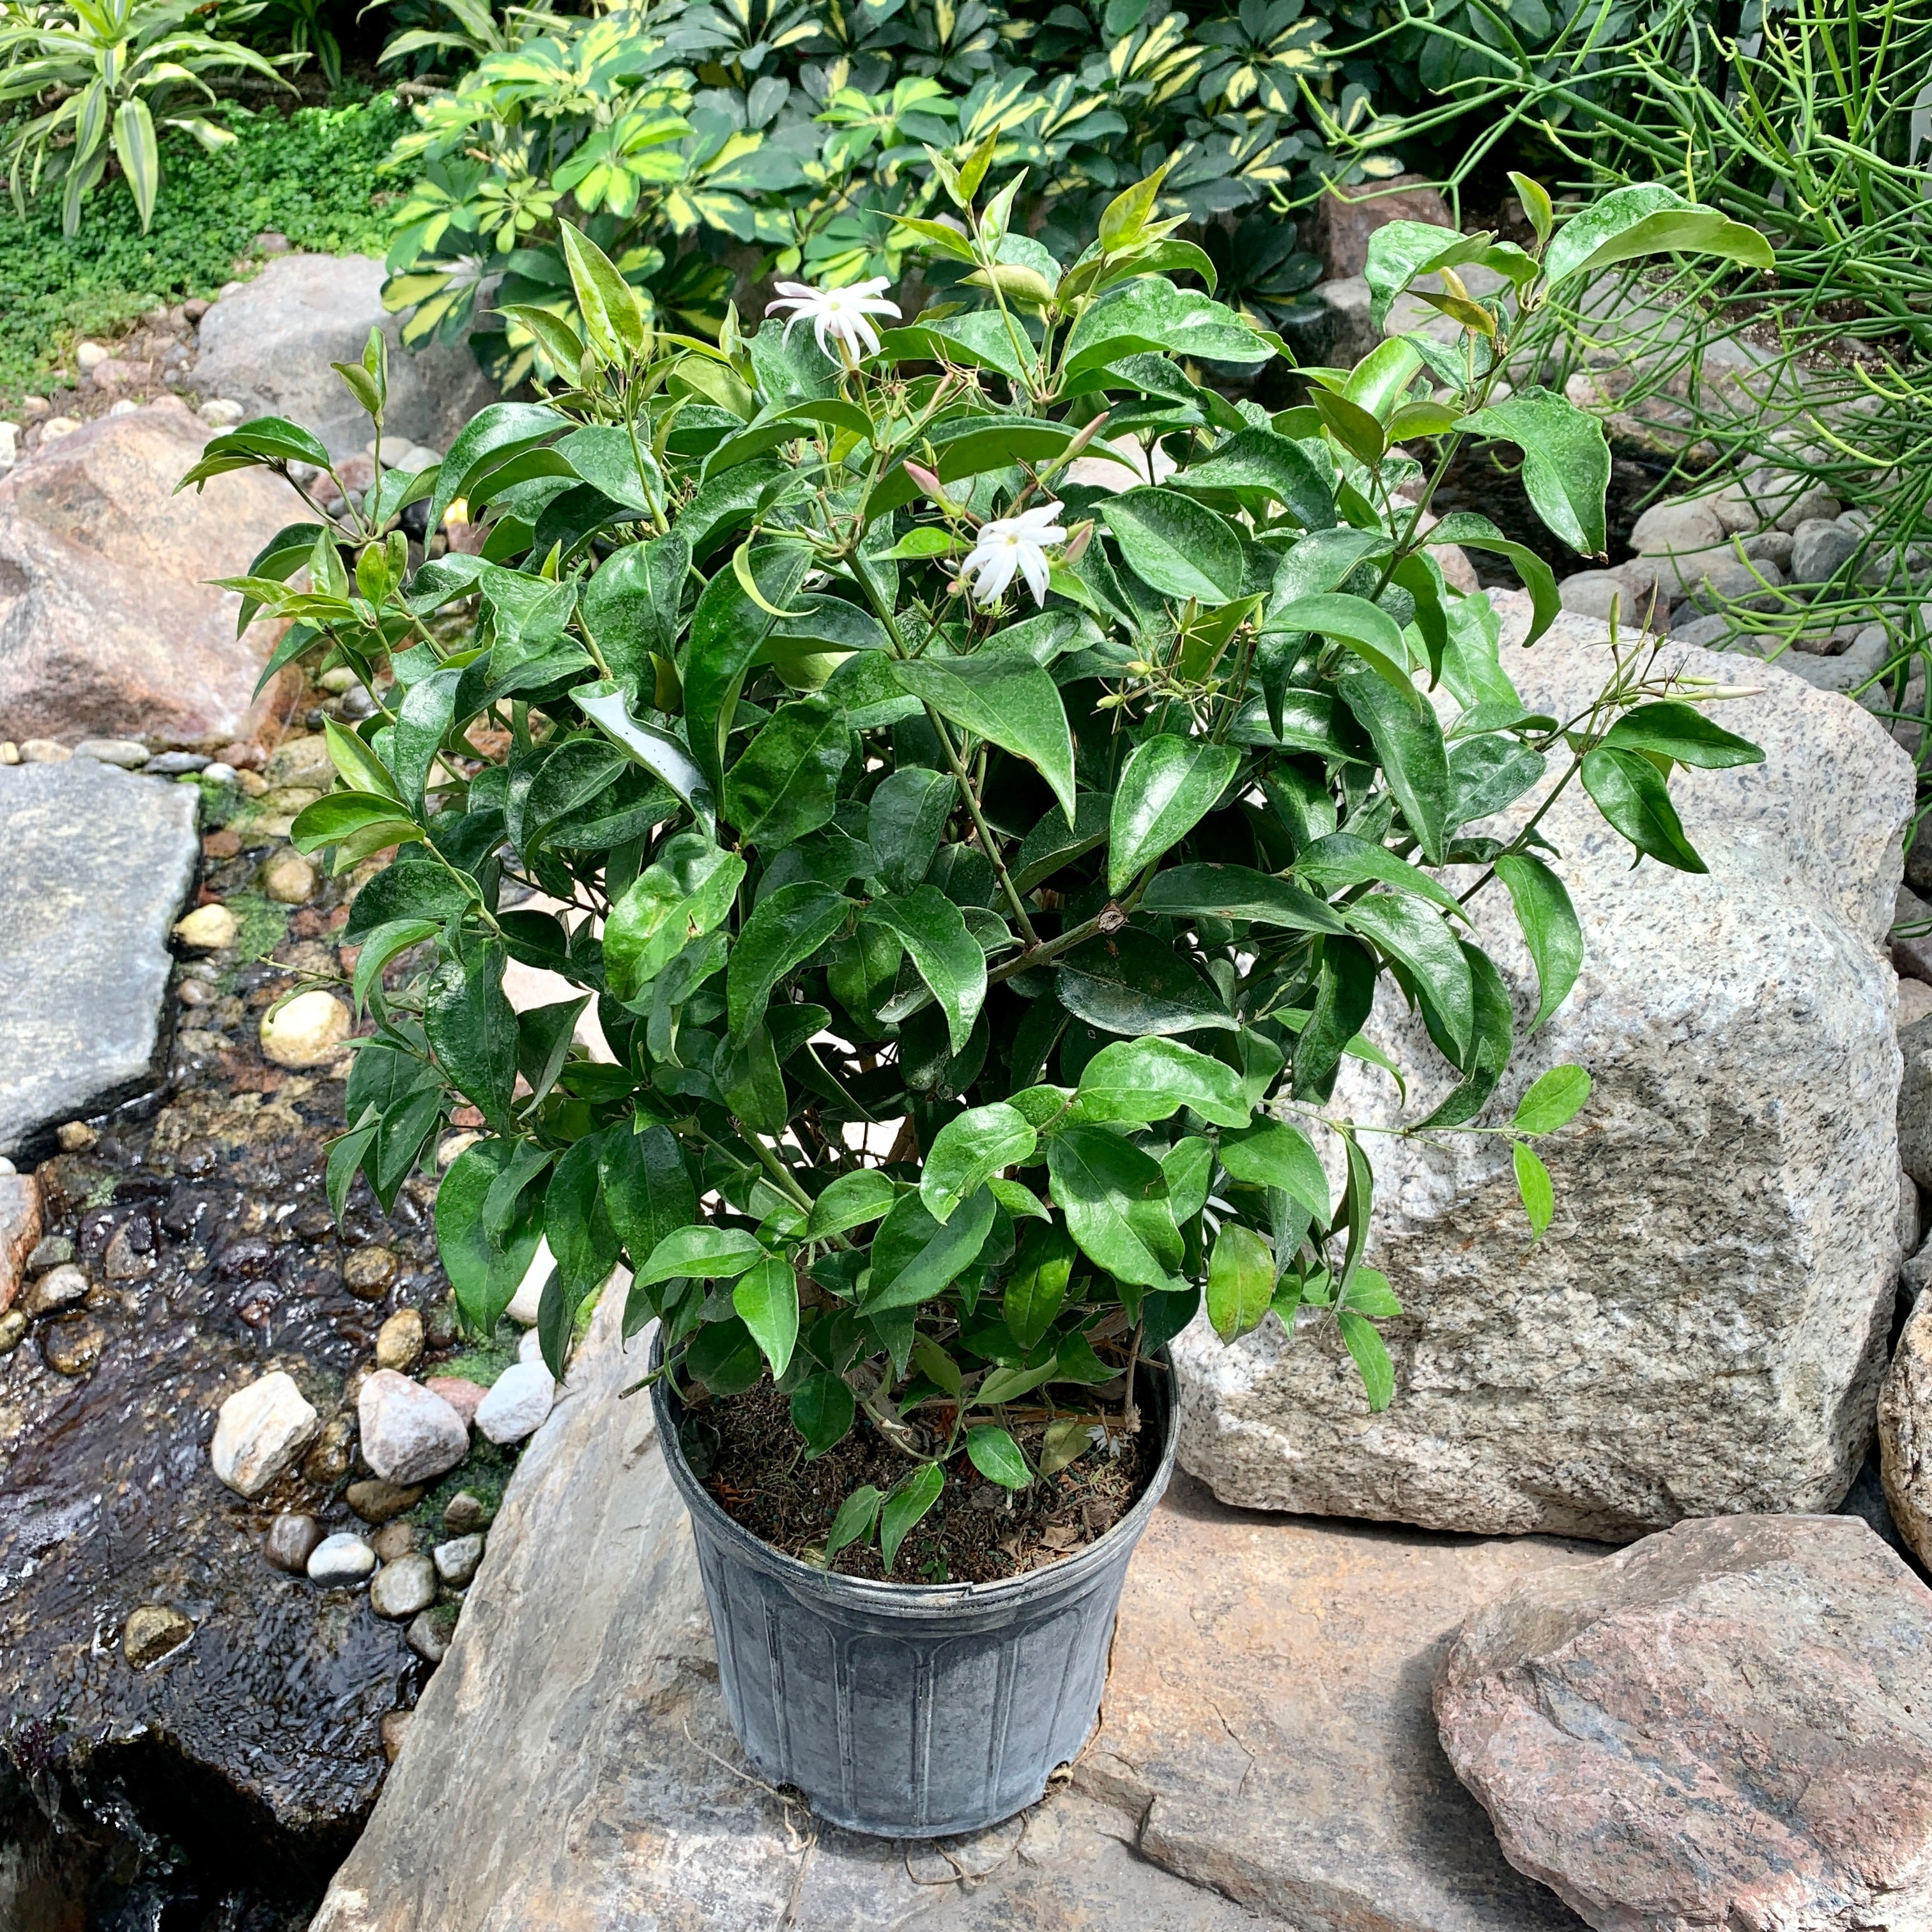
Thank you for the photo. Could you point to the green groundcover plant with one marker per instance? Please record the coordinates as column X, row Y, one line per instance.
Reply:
column 978, row 877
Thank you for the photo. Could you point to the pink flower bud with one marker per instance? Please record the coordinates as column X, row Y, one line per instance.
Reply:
column 927, row 481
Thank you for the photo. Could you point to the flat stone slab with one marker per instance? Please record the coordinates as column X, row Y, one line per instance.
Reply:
column 94, row 864
column 1266, row 1753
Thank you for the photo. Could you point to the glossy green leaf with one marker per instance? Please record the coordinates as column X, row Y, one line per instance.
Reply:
column 1175, row 545
column 1553, row 1100
column 727, row 629
column 630, row 607
column 766, row 1300
column 688, row 890
column 1366, row 628
column 996, row 1457
column 1237, row 892
column 1168, row 785
column 472, row 1031
column 1272, row 1154
column 850, row 1202
column 484, row 1269
column 1036, row 1289
column 1149, row 315
column 1492, row 1041
column 854, row 1523
column 1371, row 1357
column 1141, row 1081
column 1631, row 793
column 1415, row 935
column 660, row 753
column 822, row 1411
column 1131, row 982
column 1672, row 729
column 1649, row 219
column 647, row 1188
column 914, row 1257
column 1551, row 929
column 948, row 958
column 786, row 782
column 1240, row 1281
column 1566, row 461
column 1016, row 706
column 784, row 930
column 968, row 1151
column 1408, row 741
column 915, row 1494
column 1338, row 859
column 703, row 1252
column 905, row 821
column 1114, row 1197
column 725, row 1357
column 1400, row 251
column 1258, row 460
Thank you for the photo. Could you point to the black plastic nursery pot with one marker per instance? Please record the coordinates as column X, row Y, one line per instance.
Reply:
column 909, row 1710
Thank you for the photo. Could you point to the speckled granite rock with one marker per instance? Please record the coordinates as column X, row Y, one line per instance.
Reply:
column 94, row 867
column 1905, row 1432
column 1701, row 1330
column 1266, row 1757
column 1726, row 1726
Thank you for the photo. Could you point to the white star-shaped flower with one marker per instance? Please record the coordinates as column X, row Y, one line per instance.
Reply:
column 841, row 314
column 1010, row 545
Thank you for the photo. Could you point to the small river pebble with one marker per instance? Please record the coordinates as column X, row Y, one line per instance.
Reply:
column 152, row 1630
column 72, row 1345
column 377, row 1501
column 395, row 1540
column 340, row 1558
column 429, row 1636
column 456, row 1561
column 291, row 1541
column 518, row 1402
column 399, row 1342
column 403, row 1588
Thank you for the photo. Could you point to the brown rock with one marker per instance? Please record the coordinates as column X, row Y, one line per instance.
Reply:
column 131, row 1254
column 399, row 1342
column 368, row 1272
column 152, row 1630
column 291, row 1542
column 222, row 845
column 395, row 1540
column 72, row 1345
column 395, row 1727
column 289, row 879
column 379, row 1502
column 327, row 1460
column 19, row 1231
column 1729, row 1724
column 1344, row 221
column 107, row 622
column 466, row 1510
column 464, row 1395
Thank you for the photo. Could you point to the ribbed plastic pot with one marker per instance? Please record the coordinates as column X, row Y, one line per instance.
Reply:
column 910, row 1710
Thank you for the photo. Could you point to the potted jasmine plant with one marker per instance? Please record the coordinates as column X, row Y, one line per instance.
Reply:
column 976, row 871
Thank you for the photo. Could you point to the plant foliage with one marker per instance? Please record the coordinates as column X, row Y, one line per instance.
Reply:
column 972, row 969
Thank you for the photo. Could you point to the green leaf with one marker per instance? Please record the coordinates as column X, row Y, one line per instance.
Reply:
column 381, row 946
column 703, row 1252
column 140, row 159
column 1649, row 219
column 1271, row 1154
column 1188, row 1165
column 1036, row 1290
column 1019, row 1201
column 784, row 930
column 1344, row 992
column 613, row 321
column 1551, row 929
column 1553, row 1100
column 1341, row 859
column 1378, row 381
column 1368, row 630
column 1471, row 532
column 822, row 1411
column 1356, row 429
column 1114, row 1197
column 1408, row 743
column 1141, row 1081
column 968, row 1151
column 1167, row 787
column 970, row 446
column 1398, row 252
column 766, row 1300
column 747, row 1072
column 1492, row 1041
column 1131, row 982
column 352, row 819
column 1015, row 706
column 905, row 822
column 850, row 1202
column 938, row 1366
column 727, row 630
column 854, row 1523
column 1488, row 772
column 630, row 608
column 484, row 1271
column 472, row 1031
column 996, row 1457
column 1237, row 892
column 1149, row 316
column 543, row 1044
column 648, row 1192
column 1053, row 842
column 1259, row 459
column 1566, row 462
column 915, row 1495
column 725, row 1357
column 1534, row 1183
column 946, row 955
column 786, row 782
column 1240, row 1281
column 687, row 891
column 913, row 1257
column 1175, row 545
column 1631, row 793
column 1413, row 934
column 492, row 437
column 1371, row 1358
column 1672, row 729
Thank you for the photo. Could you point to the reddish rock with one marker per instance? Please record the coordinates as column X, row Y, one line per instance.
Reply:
column 107, row 622
column 464, row 1395
column 19, row 1229
column 1344, row 221
column 1729, row 1724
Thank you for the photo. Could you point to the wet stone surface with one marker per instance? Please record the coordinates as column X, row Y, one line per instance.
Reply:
column 199, row 1220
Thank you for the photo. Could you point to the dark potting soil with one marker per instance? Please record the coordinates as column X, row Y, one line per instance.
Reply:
column 976, row 1533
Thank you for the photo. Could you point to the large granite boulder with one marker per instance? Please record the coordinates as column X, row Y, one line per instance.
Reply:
column 1727, row 1726
column 570, row 1763
column 269, row 345
column 1701, row 1330
column 93, row 868
column 109, row 626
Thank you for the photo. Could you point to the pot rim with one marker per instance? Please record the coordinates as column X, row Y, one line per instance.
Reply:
column 862, row 1592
